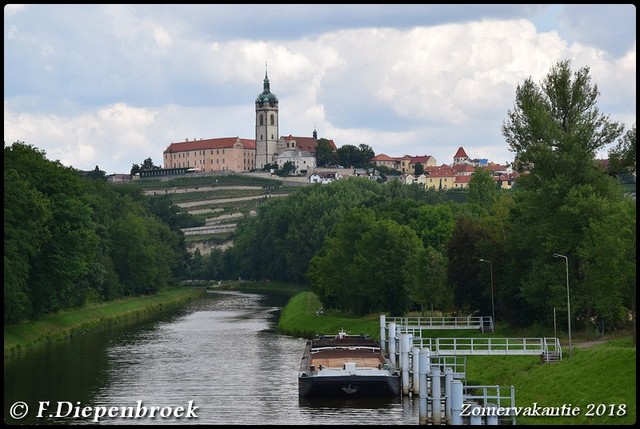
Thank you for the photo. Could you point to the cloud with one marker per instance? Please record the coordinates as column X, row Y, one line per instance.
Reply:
column 112, row 85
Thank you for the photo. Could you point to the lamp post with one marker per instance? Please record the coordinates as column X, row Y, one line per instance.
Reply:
column 493, row 308
column 566, row 262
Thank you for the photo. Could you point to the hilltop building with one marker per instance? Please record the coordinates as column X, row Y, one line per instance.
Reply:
column 269, row 148
column 235, row 154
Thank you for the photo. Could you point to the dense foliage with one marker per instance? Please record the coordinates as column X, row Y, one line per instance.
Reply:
column 368, row 247
column 360, row 245
column 70, row 237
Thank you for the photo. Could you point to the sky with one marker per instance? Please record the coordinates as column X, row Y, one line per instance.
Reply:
column 113, row 85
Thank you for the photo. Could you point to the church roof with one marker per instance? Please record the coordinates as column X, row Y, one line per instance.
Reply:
column 461, row 153
column 266, row 95
column 307, row 143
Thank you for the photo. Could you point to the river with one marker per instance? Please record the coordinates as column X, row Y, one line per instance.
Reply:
column 217, row 360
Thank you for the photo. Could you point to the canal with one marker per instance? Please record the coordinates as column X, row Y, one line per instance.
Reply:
column 217, row 360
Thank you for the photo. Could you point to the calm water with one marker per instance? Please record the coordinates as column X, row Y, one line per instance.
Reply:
column 219, row 353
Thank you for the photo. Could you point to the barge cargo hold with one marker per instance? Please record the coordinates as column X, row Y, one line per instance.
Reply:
column 346, row 366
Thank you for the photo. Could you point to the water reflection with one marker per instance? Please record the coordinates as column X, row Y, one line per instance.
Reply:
column 221, row 352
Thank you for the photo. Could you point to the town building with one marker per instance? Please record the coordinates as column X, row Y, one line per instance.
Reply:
column 235, row 154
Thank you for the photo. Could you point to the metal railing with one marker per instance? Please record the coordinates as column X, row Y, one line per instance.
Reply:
column 465, row 322
column 488, row 346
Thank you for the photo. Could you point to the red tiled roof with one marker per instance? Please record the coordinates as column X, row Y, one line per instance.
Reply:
column 382, row 157
column 461, row 153
column 308, row 143
column 463, row 168
column 422, row 159
column 440, row 171
column 217, row 143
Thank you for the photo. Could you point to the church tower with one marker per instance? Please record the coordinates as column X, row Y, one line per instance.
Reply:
column 267, row 133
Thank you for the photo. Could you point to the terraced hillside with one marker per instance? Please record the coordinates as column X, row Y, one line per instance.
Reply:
column 220, row 199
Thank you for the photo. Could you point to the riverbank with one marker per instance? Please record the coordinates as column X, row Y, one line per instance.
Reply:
column 599, row 380
column 66, row 324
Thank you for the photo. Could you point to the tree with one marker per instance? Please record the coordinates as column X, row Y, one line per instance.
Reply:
column 352, row 156
column 482, row 188
column 97, row 174
column 555, row 130
column 622, row 158
column 26, row 216
column 287, row 168
column 325, row 155
column 366, row 154
column 418, row 169
column 147, row 165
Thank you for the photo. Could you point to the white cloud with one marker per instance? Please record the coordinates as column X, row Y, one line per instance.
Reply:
column 115, row 84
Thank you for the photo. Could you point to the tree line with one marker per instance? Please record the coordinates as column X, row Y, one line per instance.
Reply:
column 71, row 237
column 362, row 246
column 367, row 247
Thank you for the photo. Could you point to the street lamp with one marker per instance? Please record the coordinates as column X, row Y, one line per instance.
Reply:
column 493, row 308
column 566, row 262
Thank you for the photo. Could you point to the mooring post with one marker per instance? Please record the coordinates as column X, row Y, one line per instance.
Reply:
column 415, row 368
column 392, row 344
column 448, row 378
column 404, row 359
column 456, row 402
column 383, row 327
column 436, row 394
column 475, row 419
column 422, row 401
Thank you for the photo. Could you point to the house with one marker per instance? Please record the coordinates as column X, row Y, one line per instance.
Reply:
column 424, row 160
column 440, row 178
column 303, row 161
column 324, row 178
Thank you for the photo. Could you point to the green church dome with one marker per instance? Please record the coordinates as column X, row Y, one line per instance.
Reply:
column 266, row 95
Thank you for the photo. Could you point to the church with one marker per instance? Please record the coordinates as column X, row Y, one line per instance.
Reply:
column 235, row 154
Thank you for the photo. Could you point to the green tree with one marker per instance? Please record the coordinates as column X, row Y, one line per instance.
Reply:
column 483, row 191
column 287, row 168
column 331, row 270
column 355, row 156
column 325, row 155
column 622, row 158
column 418, row 169
column 65, row 258
column 431, row 291
column 555, row 131
column 26, row 218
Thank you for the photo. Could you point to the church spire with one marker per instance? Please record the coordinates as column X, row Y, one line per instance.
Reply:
column 266, row 79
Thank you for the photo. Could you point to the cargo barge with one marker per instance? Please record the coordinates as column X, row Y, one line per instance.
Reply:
column 346, row 366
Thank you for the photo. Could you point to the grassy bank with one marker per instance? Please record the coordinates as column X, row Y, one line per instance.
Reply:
column 287, row 289
column 600, row 378
column 299, row 318
column 69, row 323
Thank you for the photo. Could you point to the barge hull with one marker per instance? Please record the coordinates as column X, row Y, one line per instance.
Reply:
column 348, row 386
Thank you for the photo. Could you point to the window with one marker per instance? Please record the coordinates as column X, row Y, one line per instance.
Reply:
column 261, row 120
column 273, row 119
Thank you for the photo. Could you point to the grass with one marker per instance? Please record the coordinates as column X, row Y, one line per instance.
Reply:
column 69, row 323
column 212, row 179
column 258, row 287
column 600, row 379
